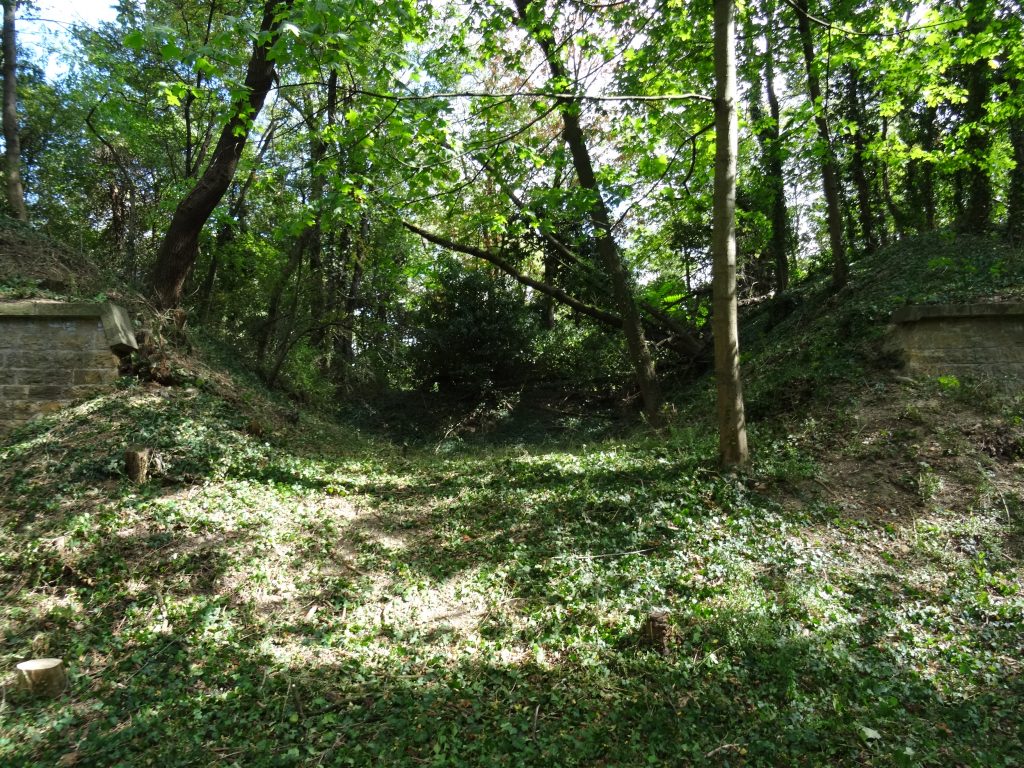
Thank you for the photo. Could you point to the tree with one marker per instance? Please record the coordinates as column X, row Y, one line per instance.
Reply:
column 829, row 170
column 12, row 154
column 732, row 428
column 768, row 129
column 530, row 13
column 180, row 246
column 973, row 182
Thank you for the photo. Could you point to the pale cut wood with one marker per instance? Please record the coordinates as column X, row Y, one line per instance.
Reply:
column 43, row 677
column 136, row 464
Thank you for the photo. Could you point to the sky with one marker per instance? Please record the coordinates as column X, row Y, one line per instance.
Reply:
column 51, row 20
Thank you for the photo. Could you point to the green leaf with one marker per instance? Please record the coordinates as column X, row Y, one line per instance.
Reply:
column 135, row 40
column 170, row 51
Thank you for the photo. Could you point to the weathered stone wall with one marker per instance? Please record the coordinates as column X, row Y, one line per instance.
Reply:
column 52, row 354
column 981, row 341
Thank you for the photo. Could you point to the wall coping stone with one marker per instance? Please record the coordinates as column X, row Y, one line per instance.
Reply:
column 117, row 326
column 918, row 312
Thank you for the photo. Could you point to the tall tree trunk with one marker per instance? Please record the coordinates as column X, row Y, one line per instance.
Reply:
column 973, row 181
column 346, row 336
column 919, row 183
column 772, row 151
column 313, row 236
column 15, row 191
column 268, row 328
column 858, row 164
column 180, row 246
column 600, row 218
column 1015, row 197
column 780, row 211
column 732, row 428
column 288, row 338
column 547, row 303
column 829, row 171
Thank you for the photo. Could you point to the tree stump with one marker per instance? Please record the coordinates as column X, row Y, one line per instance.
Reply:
column 43, row 677
column 657, row 634
column 136, row 464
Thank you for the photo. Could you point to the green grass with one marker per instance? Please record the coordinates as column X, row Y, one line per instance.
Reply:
column 407, row 588
column 361, row 603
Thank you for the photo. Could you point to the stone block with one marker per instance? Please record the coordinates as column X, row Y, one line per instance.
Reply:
column 39, row 376
column 50, row 406
column 20, row 358
column 10, row 334
column 47, row 392
column 98, row 359
column 972, row 341
column 13, row 392
column 21, row 410
column 94, row 376
column 117, row 330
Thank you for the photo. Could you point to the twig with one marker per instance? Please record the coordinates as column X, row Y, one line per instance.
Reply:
column 607, row 554
column 1005, row 506
column 716, row 750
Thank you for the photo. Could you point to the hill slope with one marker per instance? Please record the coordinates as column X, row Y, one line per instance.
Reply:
column 310, row 595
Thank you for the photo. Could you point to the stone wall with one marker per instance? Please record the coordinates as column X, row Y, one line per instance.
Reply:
column 52, row 353
column 980, row 341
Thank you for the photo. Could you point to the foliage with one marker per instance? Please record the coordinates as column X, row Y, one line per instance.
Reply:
column 471, row 331
column 318, row 597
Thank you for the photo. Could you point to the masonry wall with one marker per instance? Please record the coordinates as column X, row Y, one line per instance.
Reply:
column 53, row 353
column 45, row 363
column 988, row 345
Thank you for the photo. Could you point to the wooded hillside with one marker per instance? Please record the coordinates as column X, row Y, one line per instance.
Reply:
column 518, row 385
column 363, row 196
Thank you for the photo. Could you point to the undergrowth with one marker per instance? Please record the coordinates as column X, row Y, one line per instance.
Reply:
column 350, row 601
column 477, row 589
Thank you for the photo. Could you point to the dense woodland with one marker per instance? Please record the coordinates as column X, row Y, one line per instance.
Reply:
column 439, row 298
column 388, row 195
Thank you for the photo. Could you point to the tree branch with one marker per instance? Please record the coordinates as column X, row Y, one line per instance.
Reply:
column 549, row 290
column 567, row 97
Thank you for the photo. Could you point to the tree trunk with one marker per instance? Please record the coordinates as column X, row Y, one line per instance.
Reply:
column 919, row 183
column 180, row 246
column 858, row 164
column 359, row 252
column 314, row 235
column 973, row 180
column 600, row 219
column 768, row 136
column 1015, row 201
column 547, row 304
column 829, row 172
column 268, row 327
column 15, row 192
column 732, row 429
column 774, row 166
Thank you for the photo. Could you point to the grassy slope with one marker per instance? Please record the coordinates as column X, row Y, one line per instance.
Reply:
column 323, row 597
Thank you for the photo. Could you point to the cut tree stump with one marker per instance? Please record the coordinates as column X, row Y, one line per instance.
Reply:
column 136, row 464
column 43, row 677
column 657, row 634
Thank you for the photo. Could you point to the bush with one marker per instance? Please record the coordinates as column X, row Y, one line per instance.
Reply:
column 472, row 330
